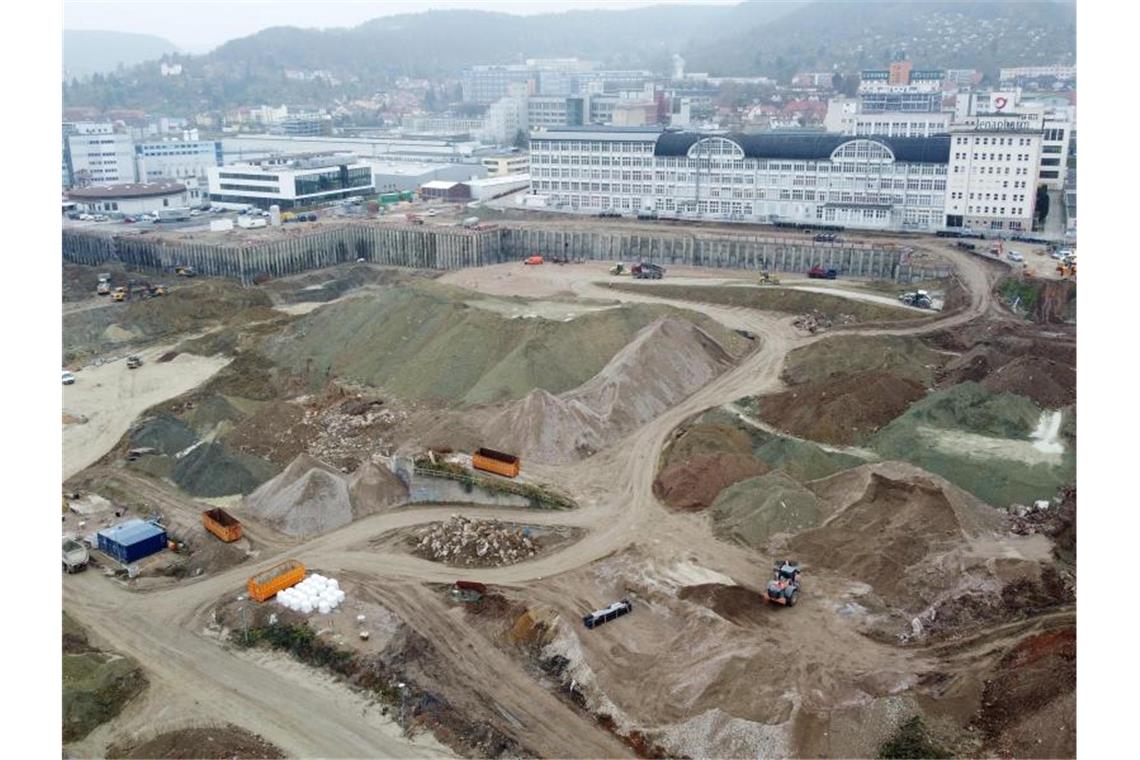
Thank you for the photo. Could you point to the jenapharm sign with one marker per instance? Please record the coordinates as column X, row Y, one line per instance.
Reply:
column 1013, row 122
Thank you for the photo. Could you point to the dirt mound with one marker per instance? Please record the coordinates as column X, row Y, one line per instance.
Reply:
column 307, row 498
column 733, row 603
column 213, row 469
column 752, row 511
column 894, row 525
column 165, row 434
column 694, row 483
column 373, row 488
column 423, row 341
column 96, row 687
column 1051, row 384
column 1037, row 674
column 841, row 410
column 904, row 357
column 278, row 432
column 467, row 542
column 218, row 743
column 211, row 411
column 665, row 362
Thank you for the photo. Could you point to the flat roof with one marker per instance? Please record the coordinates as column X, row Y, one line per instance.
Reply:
column 127, row 190
column 439, row 184
column 131, row 532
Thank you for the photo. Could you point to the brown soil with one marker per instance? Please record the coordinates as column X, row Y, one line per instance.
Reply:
column 694, row 483
column 735, row 604
column 841, row 410
column 206, row 743
column 1049, row 383
column 892, row 527
column 277, row 432
column 1038, row 672
column 1013, row 357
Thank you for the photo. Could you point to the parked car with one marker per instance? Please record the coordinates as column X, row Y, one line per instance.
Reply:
column 1014, row 256
column 68, row 378
column 134, row 362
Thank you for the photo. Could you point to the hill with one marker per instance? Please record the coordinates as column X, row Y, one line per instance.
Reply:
column 772, row 39
column 87, row 52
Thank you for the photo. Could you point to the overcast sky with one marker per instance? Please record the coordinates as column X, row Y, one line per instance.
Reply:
column 204, row 24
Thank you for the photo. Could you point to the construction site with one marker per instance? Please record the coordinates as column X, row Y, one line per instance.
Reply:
column 549, row 488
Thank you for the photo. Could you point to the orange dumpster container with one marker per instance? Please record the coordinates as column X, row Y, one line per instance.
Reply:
column 222, row 524
column 496, row 462
column 277, row 578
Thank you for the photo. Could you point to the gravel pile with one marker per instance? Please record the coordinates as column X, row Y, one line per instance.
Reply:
column 480, row 543
column 816, row 321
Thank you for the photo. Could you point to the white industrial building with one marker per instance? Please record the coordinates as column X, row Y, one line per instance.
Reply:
column 992, row 179
column 130, row 198
column 246, row 147
column 493, row 187
column 1056, row 125
column 874, row 183
column 94, row 154
column 291, row 182
column 177, row 159
column 846, row 116
column 394, row 176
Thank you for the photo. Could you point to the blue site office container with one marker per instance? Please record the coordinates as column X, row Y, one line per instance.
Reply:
column 132, row 540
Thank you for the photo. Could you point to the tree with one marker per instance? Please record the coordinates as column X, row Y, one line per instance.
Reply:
column 522, row 142
column 1042, row 204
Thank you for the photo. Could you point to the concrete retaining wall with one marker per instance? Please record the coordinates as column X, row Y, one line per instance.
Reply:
column 431, row 247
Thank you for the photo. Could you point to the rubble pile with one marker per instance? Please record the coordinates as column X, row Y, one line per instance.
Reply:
column 470, row 542
column 815, row 321
column 352, row 430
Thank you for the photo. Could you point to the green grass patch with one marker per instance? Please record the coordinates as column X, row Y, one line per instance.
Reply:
column 906, row 357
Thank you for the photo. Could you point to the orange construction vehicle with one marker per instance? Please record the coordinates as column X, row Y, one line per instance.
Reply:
column 497, row 462
column 533, row 260
column 277, row 578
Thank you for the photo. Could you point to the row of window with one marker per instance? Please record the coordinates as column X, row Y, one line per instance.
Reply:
column 992, row 156
column 250, row 188
column 748, row 165
column 594, row 146
column 258, row 177
column 993, row 141
column 1019, row 211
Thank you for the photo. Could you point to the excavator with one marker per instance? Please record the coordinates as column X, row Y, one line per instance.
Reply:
column 618, row 268
column 784, row 587
column 766, row 278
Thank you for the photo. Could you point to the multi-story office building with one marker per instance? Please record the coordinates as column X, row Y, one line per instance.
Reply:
column 874, row 183
column 94, row 154
column 1056, row 124
column 900, row 90
column 556, row 111
column 1059, row 72
column 992, row 178
column 486, row 84
column 291, row 182
column 846, row 115
column 517, row 162
column 306, row 125
column 177, row 159
column 504, row 118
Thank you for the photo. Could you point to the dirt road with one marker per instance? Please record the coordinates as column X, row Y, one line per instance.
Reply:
column 618, row 509
column 111, row 397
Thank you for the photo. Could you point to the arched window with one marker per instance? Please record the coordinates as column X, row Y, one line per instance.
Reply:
column 863, row 150
column 720, row 147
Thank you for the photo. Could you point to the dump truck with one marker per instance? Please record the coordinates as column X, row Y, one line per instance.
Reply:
column 222, row 524
column 104, row 286
column 134, row 362
column 606, row 614
column 647, row 271
column 414, row 218
column 277, row 578
column 497, row 462
column 819, row 273
column 75, row 556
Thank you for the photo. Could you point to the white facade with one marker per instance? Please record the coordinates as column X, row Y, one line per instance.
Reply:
column 1059, row 71
column 493, row 187
column 130, row 199
column 992, row 180
column 504, row 118
column 177, row 159
column 510, row 163
column 291, row 183
column 100, row 157
column 1056, row 124
column 845, row 116
column 800, row 177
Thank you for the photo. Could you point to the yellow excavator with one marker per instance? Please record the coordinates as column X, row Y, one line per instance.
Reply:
column 766, row 278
